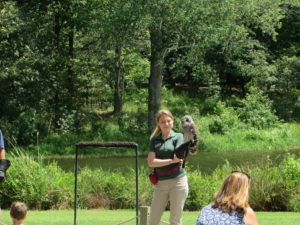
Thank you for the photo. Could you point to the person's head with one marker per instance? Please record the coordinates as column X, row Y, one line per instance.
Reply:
column 18, row 211
column 234, row 193
column 164, row 122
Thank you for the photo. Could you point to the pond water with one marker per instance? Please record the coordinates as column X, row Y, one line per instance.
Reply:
column 206, row 162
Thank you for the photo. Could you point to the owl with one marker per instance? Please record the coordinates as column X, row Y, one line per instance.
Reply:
column 190, row 133
column 190, row 137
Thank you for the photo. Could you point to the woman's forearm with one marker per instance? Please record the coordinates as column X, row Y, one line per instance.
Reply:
column 160, row 162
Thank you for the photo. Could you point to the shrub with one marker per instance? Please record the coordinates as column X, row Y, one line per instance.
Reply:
column 201, row 190
column 256, row 110
column 224, row 120
column 286, row 103
column 48, row 187
column 268, row 190
column 40, row 186
column 290, row 170
column 276, row 188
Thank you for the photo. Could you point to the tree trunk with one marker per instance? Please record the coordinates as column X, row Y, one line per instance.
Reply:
column 155, row 80
column 119, row 82
column 71, row 75
column 57, row 29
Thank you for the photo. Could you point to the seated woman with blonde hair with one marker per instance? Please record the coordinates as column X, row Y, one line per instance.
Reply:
column 231, row 203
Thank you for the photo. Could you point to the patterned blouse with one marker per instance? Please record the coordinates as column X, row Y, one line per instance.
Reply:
column 211, row 216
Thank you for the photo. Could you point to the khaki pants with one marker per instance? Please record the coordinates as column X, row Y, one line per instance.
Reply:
column 175, row 190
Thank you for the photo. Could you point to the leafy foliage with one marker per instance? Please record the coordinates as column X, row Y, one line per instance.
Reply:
column 40, row 186
column 275, row 188
column 48, row 187
column 256, row 110
column 63, row 60
column 224, row 120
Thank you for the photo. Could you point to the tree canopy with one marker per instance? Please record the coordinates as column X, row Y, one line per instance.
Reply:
column 61, row 60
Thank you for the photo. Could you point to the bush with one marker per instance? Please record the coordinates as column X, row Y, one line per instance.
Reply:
column 202, row 187
column 40, row 186
column 26, row 127
column 286, row 103
column 256, row 110
column 224, row 120
column 23, row 129
column 268, row 190
column 290, row 170
column 276, row 188
column 114, row 191
column 48, row 187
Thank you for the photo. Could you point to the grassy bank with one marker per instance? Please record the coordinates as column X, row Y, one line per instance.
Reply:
column 110, row 217
column 283, row 136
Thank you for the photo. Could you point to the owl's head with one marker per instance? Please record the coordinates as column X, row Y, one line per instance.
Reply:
column 187, row 121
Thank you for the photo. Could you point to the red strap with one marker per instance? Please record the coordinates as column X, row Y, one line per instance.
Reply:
column 168, row 172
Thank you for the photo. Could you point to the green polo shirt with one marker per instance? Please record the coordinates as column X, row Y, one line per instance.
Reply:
column 164, row 149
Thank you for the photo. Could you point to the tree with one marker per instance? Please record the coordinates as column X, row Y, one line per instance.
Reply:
column 40, row 68
column 166, row 18
column 117, row 24
column 227, row 45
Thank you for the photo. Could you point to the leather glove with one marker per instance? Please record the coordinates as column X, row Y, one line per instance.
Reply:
column 4, row 165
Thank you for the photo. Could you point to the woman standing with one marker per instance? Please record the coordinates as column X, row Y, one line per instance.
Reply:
column 172, row 180
column 231, row 203
column 4, row 163
column 2, row 148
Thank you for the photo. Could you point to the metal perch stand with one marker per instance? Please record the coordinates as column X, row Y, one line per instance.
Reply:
column 107, row 145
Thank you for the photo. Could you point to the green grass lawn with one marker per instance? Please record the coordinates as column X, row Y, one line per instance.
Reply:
column 112, row 217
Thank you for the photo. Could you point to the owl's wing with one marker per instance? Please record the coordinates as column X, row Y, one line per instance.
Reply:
column 182, row 150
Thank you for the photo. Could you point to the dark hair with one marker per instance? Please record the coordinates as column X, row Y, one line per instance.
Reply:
column 18, row 210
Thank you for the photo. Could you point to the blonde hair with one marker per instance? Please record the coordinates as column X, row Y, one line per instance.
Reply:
column 233, row 194
column 160, row 113
column 18, row 210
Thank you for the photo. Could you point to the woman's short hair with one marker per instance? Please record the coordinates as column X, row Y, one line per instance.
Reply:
column 160, row 113
column 18, row 210
column 234, row 193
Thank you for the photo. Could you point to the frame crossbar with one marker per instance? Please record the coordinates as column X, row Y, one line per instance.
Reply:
column 132, row 145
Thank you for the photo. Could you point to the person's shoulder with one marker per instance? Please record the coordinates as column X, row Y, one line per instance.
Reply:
column 158, row 137
column 250, row 217
column 176, row 134
column 207, row 207
column 154, row 141
column 249, row 210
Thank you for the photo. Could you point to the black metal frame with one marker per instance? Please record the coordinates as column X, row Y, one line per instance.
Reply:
column 107, row 145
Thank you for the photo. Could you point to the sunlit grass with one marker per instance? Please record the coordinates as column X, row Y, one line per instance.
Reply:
column 283, row 137
column 112, row 217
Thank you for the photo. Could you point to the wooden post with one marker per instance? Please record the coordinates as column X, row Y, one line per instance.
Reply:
column 144, row 215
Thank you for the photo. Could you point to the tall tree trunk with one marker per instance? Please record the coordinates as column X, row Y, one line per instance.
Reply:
column 71, row 75
column 119, row 82
column 155, row 80
column 57, row 30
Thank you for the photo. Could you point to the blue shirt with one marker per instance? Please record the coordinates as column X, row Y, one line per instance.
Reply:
column 211, row 216
column 1, row 140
